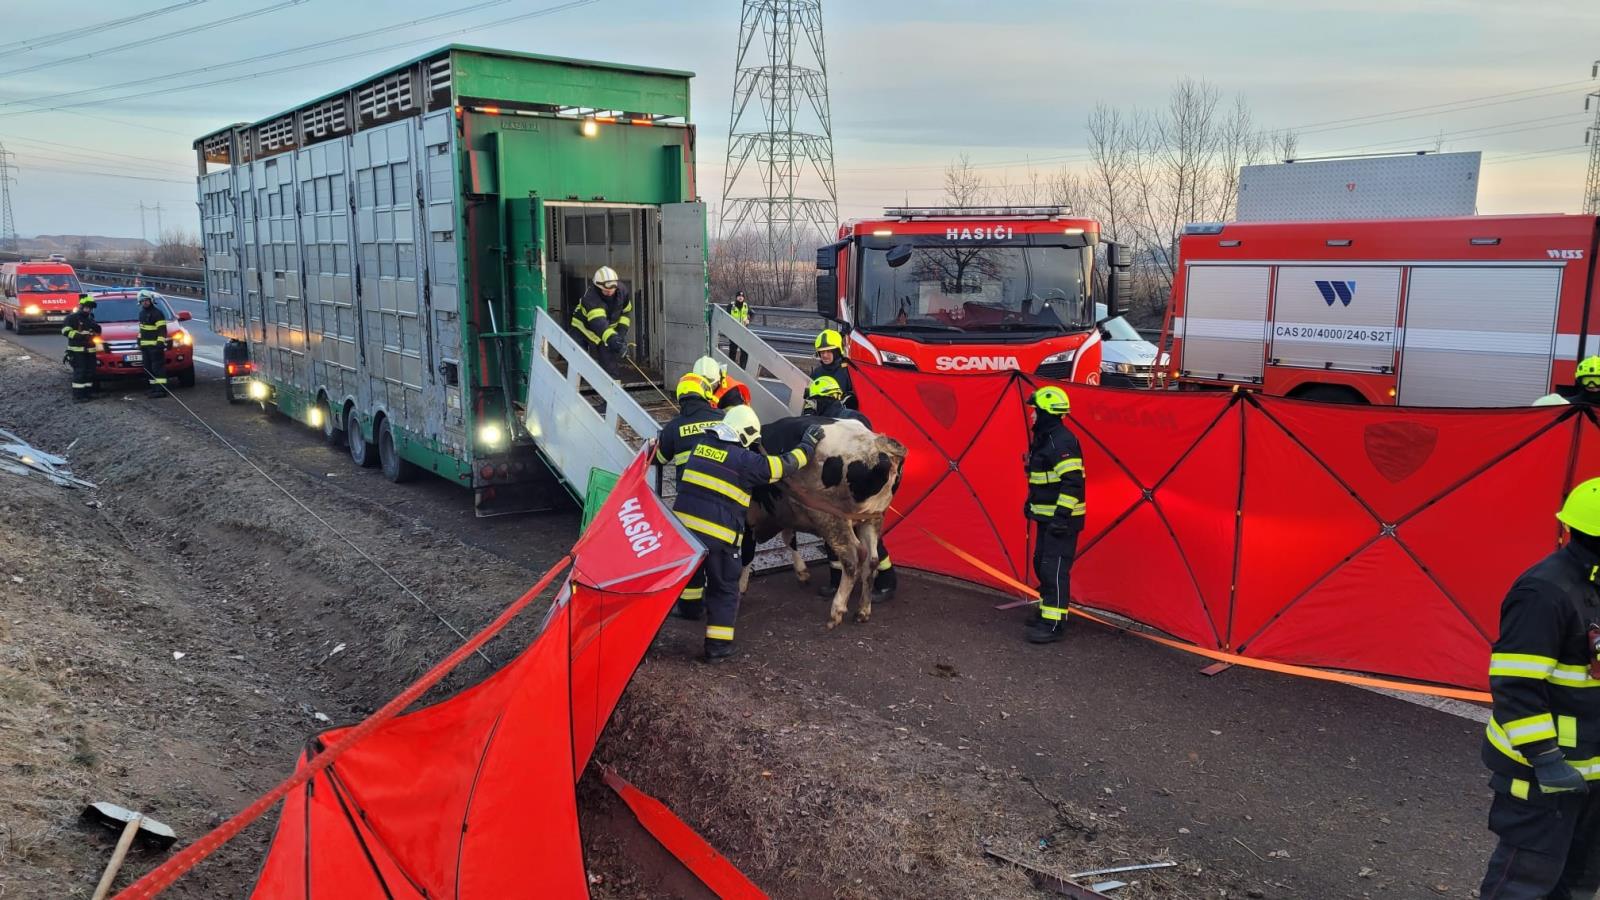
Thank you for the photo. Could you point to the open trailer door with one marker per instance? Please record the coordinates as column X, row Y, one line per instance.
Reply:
column 681, row 294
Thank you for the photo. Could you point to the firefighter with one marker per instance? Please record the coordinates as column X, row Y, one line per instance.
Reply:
column 730, row 393
column 1587, row 388
column 825, row 398
column 81, row 330
column 739, row 309
column 603, row 316
column 678, row 437
column 714, row 500
column 153, row 343
column 1546, row 715
column 1056, row 504
column 831, row 361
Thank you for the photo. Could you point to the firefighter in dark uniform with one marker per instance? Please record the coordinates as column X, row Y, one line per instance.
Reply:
column 739, row 309
column 1055, row 504
column 603, row 316
column 1587, row 388
column 831, row 362
column 714, row 500
column 678, row 437
column 1543, row 741
column 153, row 343
column 81, row 330
column 730, row 392
column 824, row 397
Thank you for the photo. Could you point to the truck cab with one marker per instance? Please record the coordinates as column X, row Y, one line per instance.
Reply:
column 968, row 290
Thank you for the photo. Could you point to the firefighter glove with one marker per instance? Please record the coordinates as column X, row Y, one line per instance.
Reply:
column 1555, row 774
column 810, row 440
column 615, row 344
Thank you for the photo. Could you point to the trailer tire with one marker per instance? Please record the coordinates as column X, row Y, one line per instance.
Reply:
column 332, row 432
column 362, row 452
column 1330, row 393
column 395, row 468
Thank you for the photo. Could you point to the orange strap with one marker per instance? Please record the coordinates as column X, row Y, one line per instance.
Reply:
column 699, row 857
column 1219, row 655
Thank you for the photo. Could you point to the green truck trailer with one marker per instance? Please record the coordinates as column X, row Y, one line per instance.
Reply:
column 391, row 263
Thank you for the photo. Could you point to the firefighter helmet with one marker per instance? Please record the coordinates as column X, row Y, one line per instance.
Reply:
column 86, row 302
column 830, row 339
column 1052, row 400
column 1589, row 368
column 692, row 385
column 1581, row 512
column 744, row 423
column 824, row 386
column 147, row 295
column 605, row 277
column 709, row 369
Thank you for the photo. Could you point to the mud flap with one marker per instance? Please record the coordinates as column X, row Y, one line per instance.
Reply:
column 517, row 482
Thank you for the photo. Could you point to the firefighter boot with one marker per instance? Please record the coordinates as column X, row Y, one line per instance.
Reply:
column 835, row 573
column 884, row 583
column 688, row 609
column 1046, row 631
column 718, row 650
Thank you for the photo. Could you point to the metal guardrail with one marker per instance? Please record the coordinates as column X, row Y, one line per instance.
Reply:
column 160, row 283
column 777, row 386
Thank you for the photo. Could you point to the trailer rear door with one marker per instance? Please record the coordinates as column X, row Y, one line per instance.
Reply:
column 1479, row 335
column 1224, row 325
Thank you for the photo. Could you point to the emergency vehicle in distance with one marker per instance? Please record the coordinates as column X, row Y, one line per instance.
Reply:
column 962, row 290
column 37, row 294
column 1468, row 311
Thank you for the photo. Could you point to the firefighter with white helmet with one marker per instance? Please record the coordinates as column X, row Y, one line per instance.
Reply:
column 602, row 317
column 1055, row 505
column 714, row 501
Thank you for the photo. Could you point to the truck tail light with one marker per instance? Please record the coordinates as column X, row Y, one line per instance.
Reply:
column 240, row 368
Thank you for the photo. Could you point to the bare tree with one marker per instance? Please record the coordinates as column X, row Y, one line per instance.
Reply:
column 963, row 183
column 1285, row 146
column 176, row 248
column 1107, row 187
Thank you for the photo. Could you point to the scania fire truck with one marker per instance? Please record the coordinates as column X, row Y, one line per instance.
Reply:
column 1467, row 311
column 960, row 289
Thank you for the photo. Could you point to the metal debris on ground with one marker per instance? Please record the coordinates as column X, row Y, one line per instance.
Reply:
column 1045, row 880
column 1117, row 870
column 18, row 457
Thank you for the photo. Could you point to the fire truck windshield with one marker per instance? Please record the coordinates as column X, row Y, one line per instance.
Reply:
column 974, row 288
column 47, row 284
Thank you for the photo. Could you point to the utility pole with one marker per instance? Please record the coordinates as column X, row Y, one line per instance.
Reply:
column 790, row 198
column 142, row 235
column 158, row 221
column 1591, row 186
column 8, row 223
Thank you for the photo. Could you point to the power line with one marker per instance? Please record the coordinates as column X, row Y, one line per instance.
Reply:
column 112, row 175
column 1409, row 109
column 276, row 54
column 298, row 67
column 85, row 150
column 145, row 42
column 97, row 28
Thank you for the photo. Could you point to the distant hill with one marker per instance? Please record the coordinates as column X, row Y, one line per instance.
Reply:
column 67, row 244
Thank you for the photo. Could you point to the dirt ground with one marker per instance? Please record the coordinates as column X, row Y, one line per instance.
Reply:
column 875, row 761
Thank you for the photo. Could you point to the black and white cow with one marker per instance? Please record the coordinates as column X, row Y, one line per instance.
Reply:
column 840, row 495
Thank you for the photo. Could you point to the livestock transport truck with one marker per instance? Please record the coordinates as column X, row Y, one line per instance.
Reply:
column 393, row 263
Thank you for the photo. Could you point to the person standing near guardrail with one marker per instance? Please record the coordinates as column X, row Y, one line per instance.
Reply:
column 602, row 318
column 1543, row 740
column 739, row 310
column 82, row 330
column 831, row 362
column 153, row 343
column 1056, row 489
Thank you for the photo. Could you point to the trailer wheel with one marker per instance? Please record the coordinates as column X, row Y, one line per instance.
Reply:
column 395, row 468
column 331, row 430
column 362, row 453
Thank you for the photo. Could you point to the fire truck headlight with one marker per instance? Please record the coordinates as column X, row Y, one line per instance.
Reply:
column 1064, row 356
column 891, row 358
column 258, row 391
column 32, row 309
column 491, row 435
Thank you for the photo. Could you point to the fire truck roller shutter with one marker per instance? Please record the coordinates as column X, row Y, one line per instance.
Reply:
column 1224, row 325
column 1335, row 317
column 1478, row 335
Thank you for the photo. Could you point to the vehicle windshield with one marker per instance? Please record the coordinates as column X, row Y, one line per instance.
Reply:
column 121, row 309
column 975, row 288
column 47, row 284
column 1116, row 329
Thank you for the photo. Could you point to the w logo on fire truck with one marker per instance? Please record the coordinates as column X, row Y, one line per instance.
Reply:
column 1342, row 291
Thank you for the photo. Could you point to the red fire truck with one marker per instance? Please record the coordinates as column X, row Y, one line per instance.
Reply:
column 1470, row 311
column 960, row 289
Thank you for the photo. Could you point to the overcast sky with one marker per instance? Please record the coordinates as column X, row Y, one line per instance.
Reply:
column 913, row 84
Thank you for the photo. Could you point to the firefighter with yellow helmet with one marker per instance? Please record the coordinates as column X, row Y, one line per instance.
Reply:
column 1055, row 505
column 1585, row 390
column 603, row 316
column 831, row 362
column 678, row 438
column 1542, row 744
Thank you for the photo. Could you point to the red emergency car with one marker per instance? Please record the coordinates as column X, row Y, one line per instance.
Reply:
column 37, row 294
column 118, row 354
column 1469, row 311
column 966, row 290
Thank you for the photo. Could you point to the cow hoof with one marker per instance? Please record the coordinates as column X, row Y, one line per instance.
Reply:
column 863, row 616
column 803, row 576
column 834, row 622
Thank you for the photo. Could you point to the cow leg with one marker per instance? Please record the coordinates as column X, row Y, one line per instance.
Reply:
column 867, row 540
column 744, row 581
column 841, row 539
column 801, row 573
